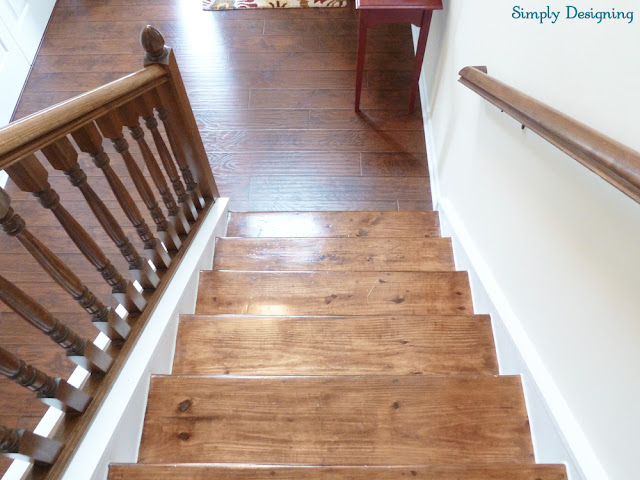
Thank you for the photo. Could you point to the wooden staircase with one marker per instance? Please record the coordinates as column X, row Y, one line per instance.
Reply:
column 331, row 345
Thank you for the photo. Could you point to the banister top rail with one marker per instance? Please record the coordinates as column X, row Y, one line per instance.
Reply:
column 614, row 162
column 31, row 133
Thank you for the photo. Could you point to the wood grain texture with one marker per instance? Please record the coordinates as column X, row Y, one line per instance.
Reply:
column 285, row 163
column 336, row 420
column 268, row 472
column 378, row 120
column 313, row 140
column 338, row 254
column 330, row 98
column 367, row 345
column 334, row 224
column 81, row 33
column 334, row 293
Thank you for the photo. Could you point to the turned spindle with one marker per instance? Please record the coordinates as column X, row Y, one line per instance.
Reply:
column 162, row 97
column 79, row 350
column 89, row 141
column 111, row 127
column 184, row 135
column 145, row 106
column 27, row 446
column 63, row 156
column 130, row 118
column 103, row 317
column 30, row 176
column 52, row 391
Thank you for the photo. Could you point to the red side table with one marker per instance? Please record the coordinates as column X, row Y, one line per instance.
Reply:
column 377, row 12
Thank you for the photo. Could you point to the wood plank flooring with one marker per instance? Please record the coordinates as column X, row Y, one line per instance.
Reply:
column 272, row 92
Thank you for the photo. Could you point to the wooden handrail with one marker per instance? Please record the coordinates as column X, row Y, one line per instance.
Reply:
column 30, row 134
column 89, row 119
column 614, row 162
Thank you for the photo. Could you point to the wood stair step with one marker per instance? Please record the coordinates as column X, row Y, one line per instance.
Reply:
column 344, row 254
column 334, row 224
column 269, row 472
column 334, row 293
column 367, row 345
column 371, row 420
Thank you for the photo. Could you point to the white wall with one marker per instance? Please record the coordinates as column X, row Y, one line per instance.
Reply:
column 556, row 247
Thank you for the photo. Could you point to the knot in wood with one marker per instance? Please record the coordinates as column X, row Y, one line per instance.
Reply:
column 9, row 440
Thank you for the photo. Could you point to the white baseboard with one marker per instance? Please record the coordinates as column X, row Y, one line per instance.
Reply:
column 552, row 423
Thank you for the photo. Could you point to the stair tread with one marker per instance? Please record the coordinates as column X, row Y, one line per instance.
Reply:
column 368, row 420
column 264, row 472
column 345, row 254
column 316, row 345
column 334, row 293
column 334, row 224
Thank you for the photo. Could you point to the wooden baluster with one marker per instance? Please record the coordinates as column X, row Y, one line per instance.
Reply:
column 111, row 128
column 129, row 115
column 27, row 446
column 145, row 106
column 103, row 317
column 62, row 156
column 177, row 102
column 162, row 96
column 54, row 392
column 89, row 141
column 79, row 350
column 30, row 176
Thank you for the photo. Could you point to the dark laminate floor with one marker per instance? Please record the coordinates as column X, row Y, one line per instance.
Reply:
column 272, row 91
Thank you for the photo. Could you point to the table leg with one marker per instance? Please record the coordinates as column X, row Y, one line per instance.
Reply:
column 362, row 46
column 417, row 66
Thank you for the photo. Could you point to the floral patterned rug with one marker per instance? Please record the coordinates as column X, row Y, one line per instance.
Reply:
column 241, row 4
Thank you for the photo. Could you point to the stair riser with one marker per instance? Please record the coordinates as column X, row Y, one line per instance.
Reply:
column 206, row 472
column 334, row 293
column 340, row 254
column 334, row 224
column 336, row 420
column 244, row 345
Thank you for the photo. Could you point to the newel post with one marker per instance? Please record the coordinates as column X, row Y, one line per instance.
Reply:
column 188, row 137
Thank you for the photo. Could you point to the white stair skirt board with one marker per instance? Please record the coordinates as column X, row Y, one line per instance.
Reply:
column 557, row 437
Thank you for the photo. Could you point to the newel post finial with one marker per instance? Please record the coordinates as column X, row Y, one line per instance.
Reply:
column 152, row 41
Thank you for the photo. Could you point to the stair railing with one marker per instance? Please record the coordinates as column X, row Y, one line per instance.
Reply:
column 614, row 162
column 182, row 177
